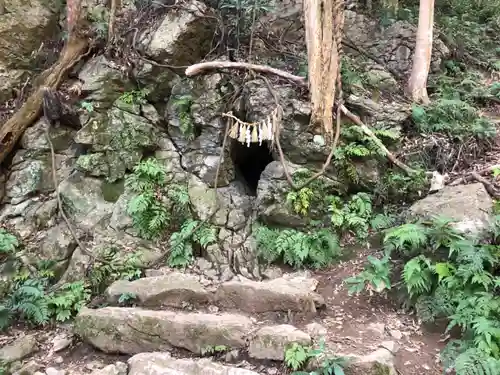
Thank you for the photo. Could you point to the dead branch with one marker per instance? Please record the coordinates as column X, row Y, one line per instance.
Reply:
column 490, row 188
column 200, row 68
column 470, row 176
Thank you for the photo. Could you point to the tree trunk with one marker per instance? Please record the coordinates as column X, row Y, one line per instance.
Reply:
column 417, row 84
column 323, row 28
column 13, row 129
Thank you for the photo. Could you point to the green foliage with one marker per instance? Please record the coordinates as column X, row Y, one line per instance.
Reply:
column 29, row 299
column 449, row 275
column 217, row 349
column 181, row 242
column 159, row 207
column 297, row 357
column 182, row 104
column 375, row 277
column 240, row 15
column 317, row 248
column 154, row 205
column 397, row 187
column 113, row 268
column 300, row 200
column 357, row 215
column 134, row 97
column 356, row 146
column 452, row 117
column 8, row 242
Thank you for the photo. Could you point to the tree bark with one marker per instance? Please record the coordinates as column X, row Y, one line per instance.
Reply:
column 14, row 128
column 417, row 84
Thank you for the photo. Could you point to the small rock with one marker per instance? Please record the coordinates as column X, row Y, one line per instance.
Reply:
column 270, row 342
column 58, row 360
column 54, row 371
column 31, row 367
column 396, row 334
column 232, row 355
column 119, row 368
column 19, row 349
column 272, row 272
column 203, row 264
column 61, row 342
column 378, row 328
column 315, row 330
column 391, row 346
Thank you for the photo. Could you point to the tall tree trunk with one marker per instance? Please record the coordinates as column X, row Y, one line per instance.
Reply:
column 323, row 25
column 417, row 84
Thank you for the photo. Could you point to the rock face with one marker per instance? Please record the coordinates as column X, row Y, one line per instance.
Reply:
column 470, row 205
column 32, row 22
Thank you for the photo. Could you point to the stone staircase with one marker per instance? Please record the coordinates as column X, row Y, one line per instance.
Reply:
column 179, row 315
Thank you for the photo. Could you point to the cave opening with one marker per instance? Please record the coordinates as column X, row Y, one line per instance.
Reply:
column 250, row 162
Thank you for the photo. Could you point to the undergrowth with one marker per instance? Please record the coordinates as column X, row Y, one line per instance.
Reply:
column 161, row 207
column 298, row 357
column 31, row 294
column 449, row 275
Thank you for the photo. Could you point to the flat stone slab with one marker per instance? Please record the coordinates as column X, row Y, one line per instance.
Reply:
column 271, row 342
column 173, row 290
column 280, row 294
column 164, row 364
column 135, row 330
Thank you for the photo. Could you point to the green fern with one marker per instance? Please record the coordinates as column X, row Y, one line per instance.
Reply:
column 155, row 205
column 181, row 242
column 475, row 362
column 318, row 248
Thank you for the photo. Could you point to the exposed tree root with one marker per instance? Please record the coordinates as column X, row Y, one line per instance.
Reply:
column 200, row 68
column 14, row 128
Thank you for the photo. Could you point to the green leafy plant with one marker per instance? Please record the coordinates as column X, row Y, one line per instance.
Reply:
column 301, row 200
column 154, row 205
column 453, row 117
column 298, row 356
column 182, row 104
column 217, row 349
column 448, row 274
column 181, row 242
column 317, row 248
column 134, row 97
column 114, row 267
column 375, row 277
column 357, row 215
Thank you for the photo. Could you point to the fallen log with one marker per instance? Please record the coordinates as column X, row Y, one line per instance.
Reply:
column 13, row 129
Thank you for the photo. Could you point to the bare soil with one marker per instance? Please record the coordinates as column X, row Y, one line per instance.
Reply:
column 359, row 324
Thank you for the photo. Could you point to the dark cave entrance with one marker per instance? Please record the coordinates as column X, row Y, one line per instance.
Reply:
column 250, row 162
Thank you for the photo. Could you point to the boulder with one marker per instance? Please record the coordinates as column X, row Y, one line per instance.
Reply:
column 134, row 330
column 470, row 205
column 18, row 349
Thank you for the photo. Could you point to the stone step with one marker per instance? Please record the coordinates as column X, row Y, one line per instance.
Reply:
column 164, row 364
column 135, row 330
column 175, row 289
column 131, row 330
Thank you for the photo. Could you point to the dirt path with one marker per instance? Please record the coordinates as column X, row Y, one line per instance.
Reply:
column 360, row 323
